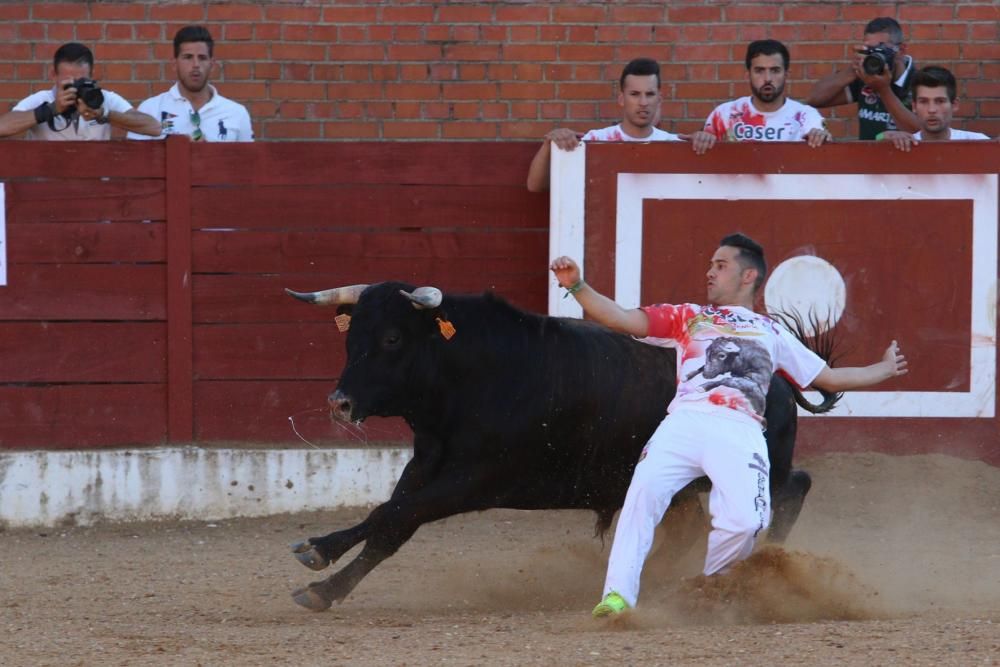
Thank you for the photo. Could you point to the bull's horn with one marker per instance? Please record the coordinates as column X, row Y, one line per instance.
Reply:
column 330, row 297
column 424, row 297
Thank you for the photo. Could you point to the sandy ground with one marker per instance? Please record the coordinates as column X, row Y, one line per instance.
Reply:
column 895, row 561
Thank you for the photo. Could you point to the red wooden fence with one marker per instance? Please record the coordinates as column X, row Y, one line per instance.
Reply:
column 145, row 295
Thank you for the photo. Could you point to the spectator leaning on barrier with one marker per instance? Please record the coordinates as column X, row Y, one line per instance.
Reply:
column 766, row 114
column 193, row 106
column 76, row 108
column 935, row 100
column 878, row 80
column 638, row 96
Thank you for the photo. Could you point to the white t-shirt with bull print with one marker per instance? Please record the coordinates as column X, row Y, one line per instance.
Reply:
column 727, row 355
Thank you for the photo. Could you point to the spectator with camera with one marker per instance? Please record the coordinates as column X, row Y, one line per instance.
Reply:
column 76, row 108
column 766, row 114
column 935, row 101
column 193, row 106
column 878, row 80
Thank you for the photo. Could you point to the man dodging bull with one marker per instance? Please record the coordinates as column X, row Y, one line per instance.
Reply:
column 712, row 428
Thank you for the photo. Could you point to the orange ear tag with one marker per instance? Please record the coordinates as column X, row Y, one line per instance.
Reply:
column 446, row 327
column 343, row 322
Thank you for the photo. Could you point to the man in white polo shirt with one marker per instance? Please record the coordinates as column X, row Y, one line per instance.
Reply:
column 935, row 101
column 62, row 113
column 193, row 106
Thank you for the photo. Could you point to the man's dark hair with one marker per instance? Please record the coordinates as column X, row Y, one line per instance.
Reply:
column 933, row 76
column 640, row 67
column 750, row 255
column 886, row 24
column 74, row 53
column 193, row 33
column 767, row 47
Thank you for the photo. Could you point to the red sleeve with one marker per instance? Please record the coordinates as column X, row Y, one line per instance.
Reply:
column 669, row 321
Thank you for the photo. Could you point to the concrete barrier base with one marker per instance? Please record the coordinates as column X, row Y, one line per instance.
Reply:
column 50, row 488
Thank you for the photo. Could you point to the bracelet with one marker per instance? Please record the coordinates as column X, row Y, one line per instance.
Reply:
column 43, row 113
column 574, row 288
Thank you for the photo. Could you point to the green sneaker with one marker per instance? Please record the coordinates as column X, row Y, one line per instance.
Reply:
column 612, row 605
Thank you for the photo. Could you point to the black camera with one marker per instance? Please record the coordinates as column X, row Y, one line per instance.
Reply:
column 878, row 58
column 88, row 91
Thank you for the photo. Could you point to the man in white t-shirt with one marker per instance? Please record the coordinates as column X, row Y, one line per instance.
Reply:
column 726, row 357
column 62, row 113
column 638, row 96
column 935, row 101
column 766, row 114
column 193, row 106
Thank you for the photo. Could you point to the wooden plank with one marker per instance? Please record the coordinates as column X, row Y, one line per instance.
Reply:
column 266, row 411
column 70, row 159
column 84, row 243
column 82, row 416
column 180, row 354
column 366, row 207
column 253, row 298
column 252, row 351
column 322, row 163
column 82, row 352
column 254, row 252
column 85, row 200
column 83, row 292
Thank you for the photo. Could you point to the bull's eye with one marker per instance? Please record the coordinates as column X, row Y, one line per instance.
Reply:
column 391, row 340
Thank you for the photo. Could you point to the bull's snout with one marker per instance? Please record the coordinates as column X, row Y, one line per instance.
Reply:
column 340, row 406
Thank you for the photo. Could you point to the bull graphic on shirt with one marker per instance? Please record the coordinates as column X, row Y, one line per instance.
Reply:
column 744, row 365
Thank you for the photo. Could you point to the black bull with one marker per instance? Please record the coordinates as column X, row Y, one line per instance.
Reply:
column 516, row 410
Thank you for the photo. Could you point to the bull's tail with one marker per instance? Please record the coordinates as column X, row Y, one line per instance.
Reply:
column 823, row 342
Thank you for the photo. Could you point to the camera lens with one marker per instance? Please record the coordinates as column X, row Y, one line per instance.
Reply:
column 874, row 63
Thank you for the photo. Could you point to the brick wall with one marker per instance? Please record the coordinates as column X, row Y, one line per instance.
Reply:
column 375, row 69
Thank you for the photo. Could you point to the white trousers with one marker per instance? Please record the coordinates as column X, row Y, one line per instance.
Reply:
column 686, row 445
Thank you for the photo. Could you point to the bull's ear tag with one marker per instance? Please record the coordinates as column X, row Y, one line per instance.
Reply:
column 446, row 327
column 343, row 322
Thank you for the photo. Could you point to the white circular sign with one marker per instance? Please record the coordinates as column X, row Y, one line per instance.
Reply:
column 809, row 287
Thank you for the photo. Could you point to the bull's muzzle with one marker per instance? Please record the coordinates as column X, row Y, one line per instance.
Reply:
column 341, row 406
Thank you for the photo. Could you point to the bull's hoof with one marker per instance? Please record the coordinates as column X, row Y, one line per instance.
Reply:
column 310, row 599
column 306, row 554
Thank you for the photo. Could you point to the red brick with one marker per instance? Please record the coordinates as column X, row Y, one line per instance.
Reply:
column 245, row 90
column 585, row 91
column 354, row 91
column 650, row 14
column 351, row 72
column 475, row 72
column 298, row 52
column 344, row 33
column 408, row 33
column 605, row 33
column 524, row 109
column 865, row 13
column 981, row 51
column 183, row 13
column 118, row 31
column 228, row 12
column 286, row 14
column 406, row 110
column 298, row 91
column 473, row 130
column 734, row 71
column 533, row 52
column 237, row 31
column 14, row 92
column 524, row 130
column 380, row 33
column 267, row 70
column 386, row 72
column 749, row 33
column 466, row 110
column 151, row 32
column 585, row 52
column 934, row 51
column 493, row 33
column 522, row 14
column 422, row 52
column 555, row 110
column 350, row 14
column 350, row 110
column 581, row 33
column 639, row 33
column 551, row 33
column 357, row 52
column 15, row 12
column 350, row 130
column 941, row 12
column 416, row 72
column 398, row 14
column 526, row 33
column 33, row 71
column 500, row 72
column 469, row 91
column 707, row 52
column 579, row 111
column 117, row 12
column 703, row 72
column 829, row 51
column 413, row 91
column 528, row 72
column 60, row 32
column 579, row 14
column 495, row 110
column 465, row 33
column 769, row 13
column 978, row 12
column 985, row 89
column 813, row 12
column 704, row 91
column 694, row 14
column 30, row 31
column 691, row 34
column 403, row 130
column 234, row 71
column 557, row 72
column 267, row 31
column 292, row 110
column 437, row 110
column 275, row 129
column 984, row 31
column 54, row 11
column 842, row 32
column 465, row 14
column 811, row 32
column 296, row 32
column 261, row 108
column 527, row 91
column 116, row 72
column 235, row 51
column 582, row 72
column 117, row 51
